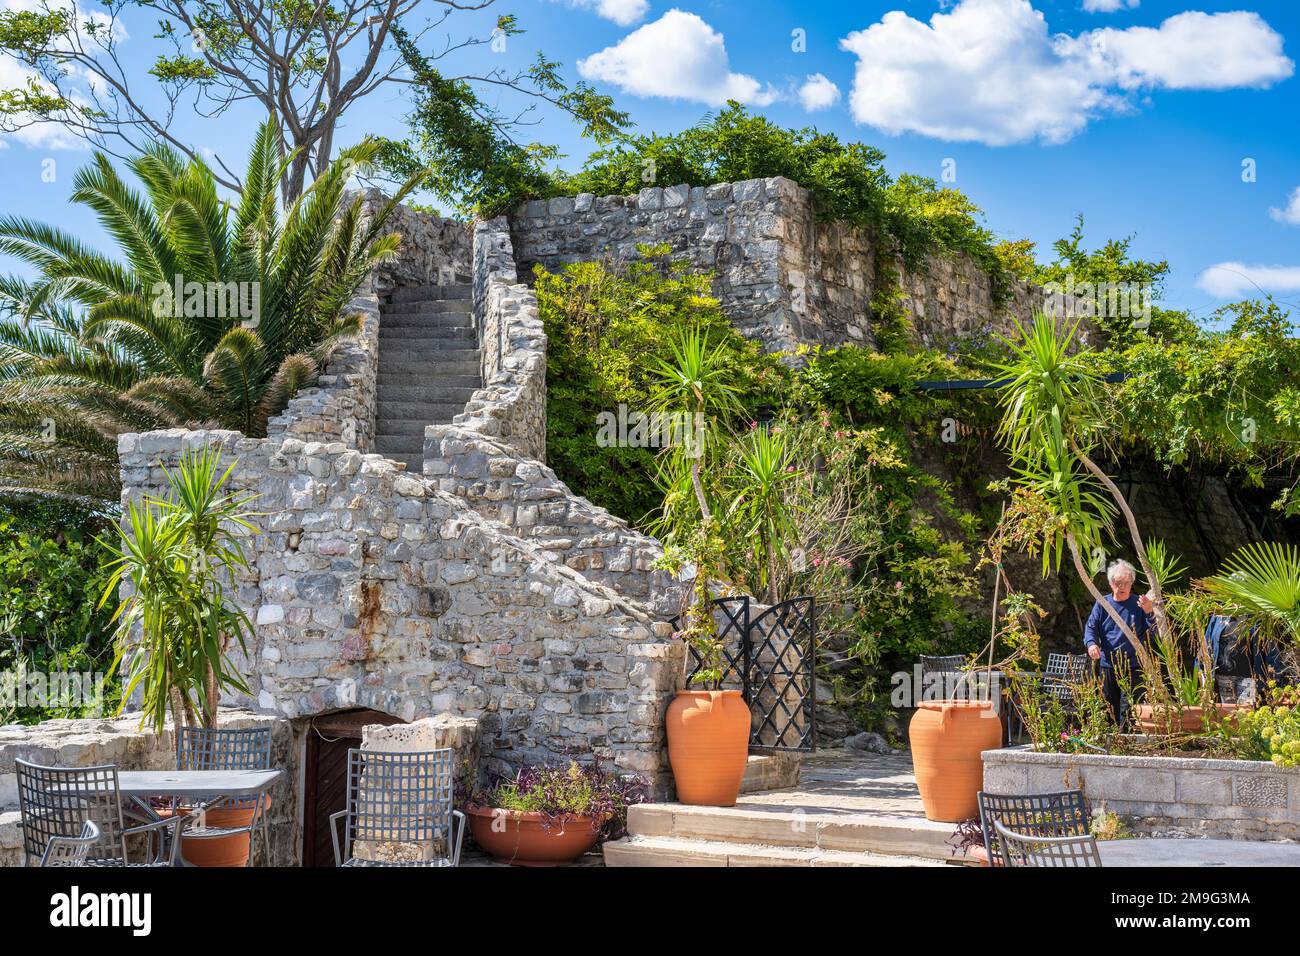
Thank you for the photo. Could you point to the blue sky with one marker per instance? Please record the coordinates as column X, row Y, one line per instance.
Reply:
column 1139, row 117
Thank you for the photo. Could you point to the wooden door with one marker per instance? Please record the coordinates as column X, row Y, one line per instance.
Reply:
column 329, row 738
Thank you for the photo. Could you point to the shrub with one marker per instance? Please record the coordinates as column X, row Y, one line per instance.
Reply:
column 560, row 792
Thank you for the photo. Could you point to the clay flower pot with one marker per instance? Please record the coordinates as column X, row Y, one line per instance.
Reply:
column 1192, row 718
column 231, row 850
column 511, row 836
column 708, row 744
column 947, row 737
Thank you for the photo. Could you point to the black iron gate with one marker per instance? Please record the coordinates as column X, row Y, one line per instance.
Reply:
column 772, row 660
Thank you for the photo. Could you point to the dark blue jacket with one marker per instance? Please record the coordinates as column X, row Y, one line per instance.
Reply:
column 1106, row 634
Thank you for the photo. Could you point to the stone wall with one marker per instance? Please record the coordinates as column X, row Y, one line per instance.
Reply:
column 374, row 588
column 120, row 741
column 1163, row 796
column 341, row 406
column 783, row 277
column 434, row 251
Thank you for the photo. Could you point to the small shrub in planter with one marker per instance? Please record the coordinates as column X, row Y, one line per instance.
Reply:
column 551, row 814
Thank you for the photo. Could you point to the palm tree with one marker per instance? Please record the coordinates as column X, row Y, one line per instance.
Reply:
column 215, row 314
column 761, row 483
column 1261, row 583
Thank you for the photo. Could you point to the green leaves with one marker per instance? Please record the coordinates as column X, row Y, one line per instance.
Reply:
column 180, row 555
column 1262, row 581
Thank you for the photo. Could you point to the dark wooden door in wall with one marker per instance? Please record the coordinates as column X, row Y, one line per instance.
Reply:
column 329, row 738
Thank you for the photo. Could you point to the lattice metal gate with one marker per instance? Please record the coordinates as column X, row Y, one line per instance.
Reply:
column 771, row 658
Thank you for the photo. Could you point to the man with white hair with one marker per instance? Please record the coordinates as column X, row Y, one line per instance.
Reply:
column 1106, row 641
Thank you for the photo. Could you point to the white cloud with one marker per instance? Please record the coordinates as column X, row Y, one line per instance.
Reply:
column 678, row 56
column 623, row 12
column 1289, row 214
column 1108, row 6
column 1226, row 280
column 818, row 93
column 989, row 71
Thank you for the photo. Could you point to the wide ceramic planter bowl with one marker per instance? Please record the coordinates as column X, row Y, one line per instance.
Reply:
column 1190, row 721
column 524, row 839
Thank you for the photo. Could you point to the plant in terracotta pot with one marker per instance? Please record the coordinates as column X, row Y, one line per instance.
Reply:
column 176, row 626
column 547, row 815
column 708, row 726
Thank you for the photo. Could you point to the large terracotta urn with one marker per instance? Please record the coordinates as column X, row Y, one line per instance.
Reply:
column 708, row 744
column 947, row 738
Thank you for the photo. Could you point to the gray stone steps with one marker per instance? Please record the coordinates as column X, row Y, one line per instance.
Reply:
column 428, row 367
column 420, row 411
column 436, row 394
column 461, row 290
column 426, row 375
column 679, row 851
column 411, row 335
column 433, row 415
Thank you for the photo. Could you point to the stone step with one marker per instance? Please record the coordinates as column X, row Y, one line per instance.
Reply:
column 677, row 851
column 435, row 393
column 461, row 290
column 415, row 336
column 434, row 415
column 399, row 444
column 428, row 355
column 429, row 307
column 810, row 827
column 428, row 375
column 418, row 411
column 445, row 320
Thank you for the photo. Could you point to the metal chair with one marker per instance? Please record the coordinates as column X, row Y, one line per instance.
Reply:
column 1019, row 850
column 1060, row 814
column 210, row 748
column 1063, row 673
column 56, row 802
column 944, row 662
column 399, row 798
column 951, row 668
column 71, row 850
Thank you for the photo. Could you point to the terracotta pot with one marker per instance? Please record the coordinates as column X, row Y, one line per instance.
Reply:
column 1192, row 722
column 229, row 850
column 947, row 737
column 708, row 745
column 523, row 839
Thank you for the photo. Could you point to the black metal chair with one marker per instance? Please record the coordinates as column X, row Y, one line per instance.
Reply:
column 1019, row 850
column 55, row 803
column 1060, row 814
column 951, row 667
column 71, row 850
column 399, row 800
column 226, row 748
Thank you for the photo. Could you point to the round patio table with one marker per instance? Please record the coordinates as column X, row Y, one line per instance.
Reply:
column 1164, row 851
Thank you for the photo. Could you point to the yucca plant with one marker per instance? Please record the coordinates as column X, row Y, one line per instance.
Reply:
column 99, row 345
column 760, row 481
column 180, row 556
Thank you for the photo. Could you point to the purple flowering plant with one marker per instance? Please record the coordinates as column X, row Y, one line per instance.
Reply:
column 560, row 792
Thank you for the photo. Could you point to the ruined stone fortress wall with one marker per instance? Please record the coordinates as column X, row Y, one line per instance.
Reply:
column 783, row 276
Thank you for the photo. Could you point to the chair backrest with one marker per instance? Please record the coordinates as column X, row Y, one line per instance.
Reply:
column 1021, row 850
column 71, row 851
column 57, row 802
column 1071, row 668
column 209, row 748
column 945, row 662
column 400, row 798
column 1059, row 814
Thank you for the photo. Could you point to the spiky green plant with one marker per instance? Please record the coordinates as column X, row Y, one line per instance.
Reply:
column 1261, row 583
column 760, row 481
column 175, row 629
column 94, row 346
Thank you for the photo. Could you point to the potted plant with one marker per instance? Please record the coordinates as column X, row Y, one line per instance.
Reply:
column 708, row 728
column 547, row 815
column 178, row 622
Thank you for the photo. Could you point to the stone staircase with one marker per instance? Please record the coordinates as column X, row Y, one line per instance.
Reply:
column 843, row 810
column 428, row 366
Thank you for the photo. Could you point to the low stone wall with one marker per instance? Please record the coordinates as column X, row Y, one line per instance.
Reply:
column 434, row 251
column 341, row 406
column 120, row 741
column 1163, row 796
column 374, row 588
column 783, row 276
